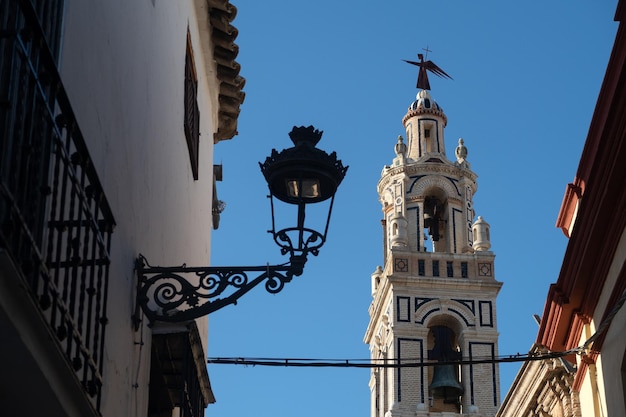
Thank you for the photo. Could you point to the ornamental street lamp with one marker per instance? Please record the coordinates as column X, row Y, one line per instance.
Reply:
column 300, row 175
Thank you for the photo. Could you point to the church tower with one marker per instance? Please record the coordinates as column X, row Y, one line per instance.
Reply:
column 433, row 315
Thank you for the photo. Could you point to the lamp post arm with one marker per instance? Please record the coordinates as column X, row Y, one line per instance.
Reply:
column 181, row 293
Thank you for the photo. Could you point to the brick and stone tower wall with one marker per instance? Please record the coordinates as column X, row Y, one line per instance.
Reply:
column 433, row 312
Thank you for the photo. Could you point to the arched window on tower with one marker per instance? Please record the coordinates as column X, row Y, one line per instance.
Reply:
column 429, row 136
column 445, row 388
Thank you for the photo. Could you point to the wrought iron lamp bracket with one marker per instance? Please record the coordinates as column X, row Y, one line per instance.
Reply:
column 182, row 293
column 299, row 175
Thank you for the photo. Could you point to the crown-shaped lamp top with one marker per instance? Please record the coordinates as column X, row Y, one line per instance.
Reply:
column 305, row 135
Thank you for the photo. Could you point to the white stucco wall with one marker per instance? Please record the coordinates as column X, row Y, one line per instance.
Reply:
column 609, row 367
column 123, row 64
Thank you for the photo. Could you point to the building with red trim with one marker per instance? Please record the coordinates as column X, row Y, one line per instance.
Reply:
column 583, row 314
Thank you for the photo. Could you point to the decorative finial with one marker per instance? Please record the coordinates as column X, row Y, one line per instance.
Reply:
column 400, row 147
column 460, row 151
column 425, row 66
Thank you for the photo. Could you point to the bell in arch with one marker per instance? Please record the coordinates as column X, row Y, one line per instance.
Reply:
column 432, row 214
column 445, row 383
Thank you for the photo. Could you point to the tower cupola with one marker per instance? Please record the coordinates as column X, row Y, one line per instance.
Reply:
column 424, row 104
column 424, row 123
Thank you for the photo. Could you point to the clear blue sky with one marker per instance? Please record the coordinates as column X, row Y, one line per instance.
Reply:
column 526, row 79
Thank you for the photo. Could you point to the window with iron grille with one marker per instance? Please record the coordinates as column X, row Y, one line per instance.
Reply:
column 192, row 113
column 55, row 221
column 50, row 14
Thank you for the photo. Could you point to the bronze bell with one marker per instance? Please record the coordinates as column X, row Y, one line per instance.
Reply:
column 430, row 210
column 445, row 384
column 431, row 217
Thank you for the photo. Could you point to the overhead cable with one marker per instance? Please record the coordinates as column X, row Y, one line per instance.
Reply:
column 388, row 363
column 420, row 363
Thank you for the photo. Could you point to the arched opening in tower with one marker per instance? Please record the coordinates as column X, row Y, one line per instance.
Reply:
column 435, row 219
column 445, row 388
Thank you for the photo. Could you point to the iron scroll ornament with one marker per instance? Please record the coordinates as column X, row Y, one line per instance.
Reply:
column 179, row 294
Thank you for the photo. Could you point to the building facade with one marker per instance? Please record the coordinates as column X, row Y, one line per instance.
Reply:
column 584, row 315
column 433, row 327
column 108, row 116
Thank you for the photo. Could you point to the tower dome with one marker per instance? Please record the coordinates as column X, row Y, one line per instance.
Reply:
column 425, row 104
column 425, row 100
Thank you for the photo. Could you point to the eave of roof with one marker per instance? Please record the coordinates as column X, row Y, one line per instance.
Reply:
column 225, row 50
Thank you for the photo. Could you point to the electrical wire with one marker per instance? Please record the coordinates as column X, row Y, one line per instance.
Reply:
column 389, row 363
column 583, row 349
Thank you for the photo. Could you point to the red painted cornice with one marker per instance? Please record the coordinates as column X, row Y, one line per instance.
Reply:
column 573, row 193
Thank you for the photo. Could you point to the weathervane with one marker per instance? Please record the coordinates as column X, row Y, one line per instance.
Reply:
column 425, row 66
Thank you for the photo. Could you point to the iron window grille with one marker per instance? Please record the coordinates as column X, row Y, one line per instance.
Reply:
column 192, row 112
column 55, row 222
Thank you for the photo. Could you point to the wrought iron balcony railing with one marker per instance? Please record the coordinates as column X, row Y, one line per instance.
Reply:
column 55, row 222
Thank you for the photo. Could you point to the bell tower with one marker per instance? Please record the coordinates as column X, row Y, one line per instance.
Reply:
column 433, row 314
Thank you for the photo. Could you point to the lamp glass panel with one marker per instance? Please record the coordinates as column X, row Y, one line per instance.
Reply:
column 304, row 188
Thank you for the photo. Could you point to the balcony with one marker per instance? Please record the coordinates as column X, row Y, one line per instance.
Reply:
column 55, row 228
column 178, row 373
